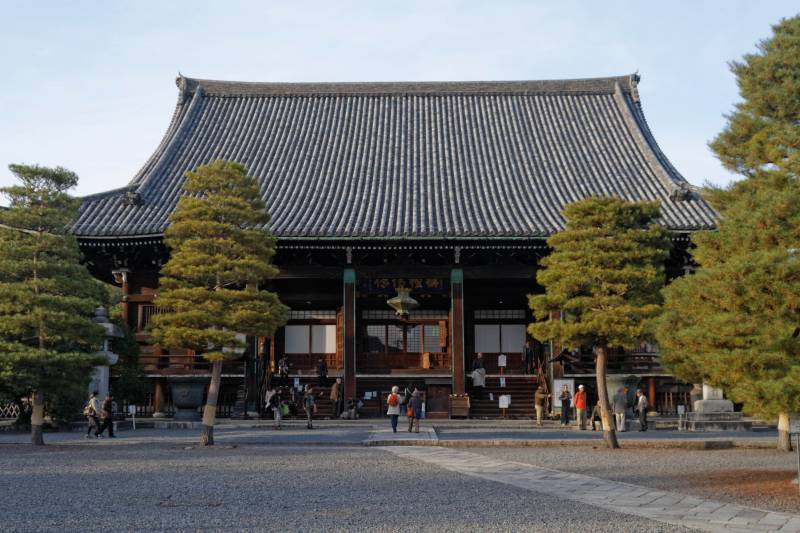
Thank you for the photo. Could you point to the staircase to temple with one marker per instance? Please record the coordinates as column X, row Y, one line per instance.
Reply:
column 521, row 389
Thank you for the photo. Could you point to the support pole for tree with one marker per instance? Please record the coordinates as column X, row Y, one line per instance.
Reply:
column 609, row 435
column 210, row 410
column 784, row 435
column 37, row 418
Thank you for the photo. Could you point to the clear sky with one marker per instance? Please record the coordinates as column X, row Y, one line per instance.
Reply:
column 90, row 85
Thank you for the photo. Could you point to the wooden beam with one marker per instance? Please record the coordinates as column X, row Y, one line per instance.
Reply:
column 349, row 333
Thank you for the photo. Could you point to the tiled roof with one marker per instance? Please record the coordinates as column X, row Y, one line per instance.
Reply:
column 395, row 160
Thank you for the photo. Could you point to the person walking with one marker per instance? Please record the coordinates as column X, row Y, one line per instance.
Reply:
column 274, row 402
column 566, row 401
column 580, row 407
column 337, row 397
column 414, row 410
column 310, row 405
column 597, row 415
column 539, row 399
column 91, row 412
column 322, row 372
column 393, row 407
column 283, row 370
column 641, row 406
column 619, row 405
column 478, row 377
column 107, row 417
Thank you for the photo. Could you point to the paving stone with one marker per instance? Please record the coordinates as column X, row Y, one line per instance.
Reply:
column 625, row 498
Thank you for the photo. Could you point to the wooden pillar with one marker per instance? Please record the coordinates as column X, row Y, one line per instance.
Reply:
column 457, row 328
column 651, row 393
column 349, row 332
column 158, row 398
column 121, row 276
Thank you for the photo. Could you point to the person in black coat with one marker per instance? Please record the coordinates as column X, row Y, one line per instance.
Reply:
column 322, row 372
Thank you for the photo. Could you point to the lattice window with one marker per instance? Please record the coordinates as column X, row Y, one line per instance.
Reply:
column 312, row 315
column 9, row 411
column 425, row 314
column 146, row 314
column 500, row 314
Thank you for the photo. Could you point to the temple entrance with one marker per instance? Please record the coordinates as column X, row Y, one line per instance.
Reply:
column 391, row 346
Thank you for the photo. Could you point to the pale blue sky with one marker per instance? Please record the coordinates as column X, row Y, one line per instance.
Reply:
column 90, row 85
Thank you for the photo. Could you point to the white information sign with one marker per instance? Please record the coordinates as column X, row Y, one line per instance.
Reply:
column 505, row 401
column 501, row 360
column 502, row 383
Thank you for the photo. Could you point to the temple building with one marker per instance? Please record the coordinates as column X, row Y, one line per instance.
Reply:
column 447, row 189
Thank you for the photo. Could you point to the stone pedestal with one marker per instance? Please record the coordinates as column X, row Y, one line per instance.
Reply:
column 713, row 413
column 187, row 396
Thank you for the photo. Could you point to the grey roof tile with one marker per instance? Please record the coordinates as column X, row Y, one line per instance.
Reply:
column 393, row 160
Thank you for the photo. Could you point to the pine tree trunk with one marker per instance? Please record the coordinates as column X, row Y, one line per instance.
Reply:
column 37, row 419
column 784, row 435
column 210, row 410
column 609, row 435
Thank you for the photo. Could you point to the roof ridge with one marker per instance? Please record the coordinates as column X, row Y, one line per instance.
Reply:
column 601, row 85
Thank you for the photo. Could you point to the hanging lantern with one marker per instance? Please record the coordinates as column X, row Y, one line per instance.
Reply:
column 403, row 303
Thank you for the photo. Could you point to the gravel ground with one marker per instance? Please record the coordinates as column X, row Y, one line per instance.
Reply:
column 158, row 487
column 756, row 478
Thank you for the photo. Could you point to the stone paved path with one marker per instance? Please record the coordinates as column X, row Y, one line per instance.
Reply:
column 381, row 436
column 669, row 507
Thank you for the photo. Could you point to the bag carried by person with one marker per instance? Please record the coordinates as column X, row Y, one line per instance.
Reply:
column 410, row 412
column 284, row 409
column 87, row 410
column 393, row 399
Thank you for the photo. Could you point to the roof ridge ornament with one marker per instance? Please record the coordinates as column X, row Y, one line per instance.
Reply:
column 633, row 81
column 681, row 191
column 132, row 198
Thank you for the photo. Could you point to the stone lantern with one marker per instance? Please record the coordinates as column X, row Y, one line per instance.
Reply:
column 101, row 374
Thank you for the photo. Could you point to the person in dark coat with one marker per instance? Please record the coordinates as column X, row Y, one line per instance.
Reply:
column 107, row 417
column 529, row 355
column 283, row 370
column 597, row 415
column 337, row 397
column 566, row 405
column 322, row 372
column 414, row 409
column 309, row 404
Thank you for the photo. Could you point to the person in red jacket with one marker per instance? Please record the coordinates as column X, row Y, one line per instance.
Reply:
column 580, row 406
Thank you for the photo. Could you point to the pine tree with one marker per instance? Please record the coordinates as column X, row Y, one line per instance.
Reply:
column 604, row 273
column 220, row 250
column 47, row 298
column 734, row 323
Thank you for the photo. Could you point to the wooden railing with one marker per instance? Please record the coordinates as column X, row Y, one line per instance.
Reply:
column 515, row 364
column 618, row 363
column 168, row 365
column 307, row 363
column 403, row 361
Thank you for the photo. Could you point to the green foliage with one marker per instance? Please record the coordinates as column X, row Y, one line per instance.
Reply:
column 220, row 250
column 734, row 323
column 128, row 380
column 763, row 132
column 47, row 298
column 605, row 272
